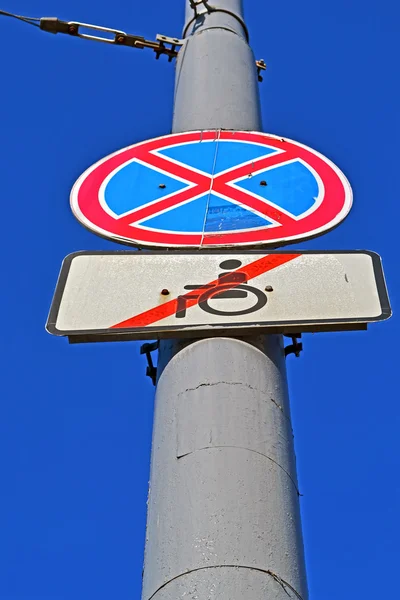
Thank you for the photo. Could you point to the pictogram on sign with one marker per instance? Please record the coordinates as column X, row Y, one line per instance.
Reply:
column 231, row 284
column 212, row 189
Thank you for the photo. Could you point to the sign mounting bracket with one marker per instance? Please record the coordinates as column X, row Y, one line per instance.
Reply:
column 296, row 347
column 151, row 370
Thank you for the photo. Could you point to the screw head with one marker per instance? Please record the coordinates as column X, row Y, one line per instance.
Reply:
column 73, row 29
column 120, row 39
column 165, row 292
column 162, row 186
column 263, row 183
column 269, row 288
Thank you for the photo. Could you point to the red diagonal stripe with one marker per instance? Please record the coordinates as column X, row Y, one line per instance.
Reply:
column 162, row 204
column 220, row 185
column 262, row 265
column 256, row 165
column 249, row 201
column 173, row 168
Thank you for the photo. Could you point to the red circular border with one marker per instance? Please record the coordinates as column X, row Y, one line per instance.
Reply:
column 88, row 210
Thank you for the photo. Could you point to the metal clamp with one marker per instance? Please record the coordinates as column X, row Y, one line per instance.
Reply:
column 296, row 347
column 151, row 370
column 212, row 9
column 171, row 52
column 195, row 3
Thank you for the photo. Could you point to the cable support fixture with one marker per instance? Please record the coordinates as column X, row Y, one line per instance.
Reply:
column 163, row 44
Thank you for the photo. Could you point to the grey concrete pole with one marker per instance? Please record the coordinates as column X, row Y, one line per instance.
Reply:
column 216, row 82
column 223, row 512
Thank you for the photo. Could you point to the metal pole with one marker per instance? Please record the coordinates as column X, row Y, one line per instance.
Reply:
column 223, row 511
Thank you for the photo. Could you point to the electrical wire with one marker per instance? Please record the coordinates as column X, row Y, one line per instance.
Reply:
column 29, row 20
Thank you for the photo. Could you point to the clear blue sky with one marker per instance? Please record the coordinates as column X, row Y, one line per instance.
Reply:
column 75, row 421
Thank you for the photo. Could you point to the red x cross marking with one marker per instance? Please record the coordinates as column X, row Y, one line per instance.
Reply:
column 88, row 205
column 205, row 183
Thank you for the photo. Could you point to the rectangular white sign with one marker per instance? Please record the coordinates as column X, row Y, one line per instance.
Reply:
column 105, row 296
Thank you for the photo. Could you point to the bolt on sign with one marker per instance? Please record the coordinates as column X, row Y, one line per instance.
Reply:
column 116, row 296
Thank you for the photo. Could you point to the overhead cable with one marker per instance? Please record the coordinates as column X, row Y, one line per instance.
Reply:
column 29, row 20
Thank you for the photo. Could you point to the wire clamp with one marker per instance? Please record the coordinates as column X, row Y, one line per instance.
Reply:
column 174, row 43
column 296, row 347
column 151, row 370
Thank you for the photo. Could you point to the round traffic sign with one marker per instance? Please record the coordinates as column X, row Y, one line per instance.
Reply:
column 208, row 189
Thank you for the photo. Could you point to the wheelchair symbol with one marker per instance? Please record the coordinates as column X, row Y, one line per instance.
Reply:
column 223, row 290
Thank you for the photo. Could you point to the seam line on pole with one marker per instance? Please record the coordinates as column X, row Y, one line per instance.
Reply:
column 284, row 584
column 228, row 12
column 213, row 28
column 242, row 448
column 238, row 383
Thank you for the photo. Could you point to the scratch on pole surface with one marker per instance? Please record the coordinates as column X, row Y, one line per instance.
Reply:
column 242, row 448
